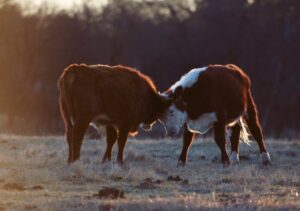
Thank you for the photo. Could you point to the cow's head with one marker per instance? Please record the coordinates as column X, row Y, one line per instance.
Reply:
column 159, row 105
column 175, row 115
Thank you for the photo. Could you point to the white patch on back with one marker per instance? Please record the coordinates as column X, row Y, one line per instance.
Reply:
column 203, row 123
column 189, row 79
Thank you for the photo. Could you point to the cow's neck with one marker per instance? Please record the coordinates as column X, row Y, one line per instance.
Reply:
column 152, row 109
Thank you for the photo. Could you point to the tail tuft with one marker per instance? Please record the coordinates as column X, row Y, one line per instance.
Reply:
column 244, row 135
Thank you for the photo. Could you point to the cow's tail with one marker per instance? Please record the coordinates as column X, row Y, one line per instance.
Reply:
column 244, row 134
column 65, row 83
column 250, row 116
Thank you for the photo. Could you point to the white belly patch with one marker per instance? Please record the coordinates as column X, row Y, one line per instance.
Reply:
column 203, row 123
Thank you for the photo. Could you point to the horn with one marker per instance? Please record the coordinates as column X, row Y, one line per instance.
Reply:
column 164, row 95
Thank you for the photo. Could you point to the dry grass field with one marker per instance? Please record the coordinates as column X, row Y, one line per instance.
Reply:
column 34, row 175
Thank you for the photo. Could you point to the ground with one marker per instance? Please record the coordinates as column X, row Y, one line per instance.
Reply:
column 34, row 175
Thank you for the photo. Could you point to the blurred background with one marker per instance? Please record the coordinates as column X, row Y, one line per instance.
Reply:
column 161, row 38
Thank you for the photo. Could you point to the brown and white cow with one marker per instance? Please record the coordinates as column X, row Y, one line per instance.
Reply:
column 117, row 97
column 217, row 96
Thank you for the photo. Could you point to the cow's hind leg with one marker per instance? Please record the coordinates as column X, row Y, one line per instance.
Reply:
column 255, row 129
column 122, row 139
column 234, row 140
column 220, row 139
column 78, row 132
column 111, row 138
column 187, row 140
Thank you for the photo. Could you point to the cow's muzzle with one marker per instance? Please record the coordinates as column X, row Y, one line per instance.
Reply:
column 146, row 127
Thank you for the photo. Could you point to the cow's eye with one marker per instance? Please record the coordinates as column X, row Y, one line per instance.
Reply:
column 171, row 112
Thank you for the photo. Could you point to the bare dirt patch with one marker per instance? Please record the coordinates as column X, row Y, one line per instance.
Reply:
column 13, row 186
column 109, row 193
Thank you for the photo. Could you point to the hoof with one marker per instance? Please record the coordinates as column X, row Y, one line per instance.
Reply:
column 181, row 163
column 234, row 158
column 106, row 157
column 105, row 161
column 70, row 161
column 120, row 163
column 225, row 162
column 123, row 165
column 267, row 163
column 265, row 157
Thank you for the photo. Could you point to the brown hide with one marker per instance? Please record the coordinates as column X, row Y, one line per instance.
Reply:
column 224, row 90
column 221, row 89
column 118, row 97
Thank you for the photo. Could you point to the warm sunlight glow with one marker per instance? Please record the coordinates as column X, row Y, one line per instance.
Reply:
column 63, row 4
column 33, row 5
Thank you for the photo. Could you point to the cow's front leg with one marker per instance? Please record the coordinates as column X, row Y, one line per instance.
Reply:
column 111, row 138
column 187, row 141
column 122, row 139
column 220, row 139
column 78, row 131
column 69, row 131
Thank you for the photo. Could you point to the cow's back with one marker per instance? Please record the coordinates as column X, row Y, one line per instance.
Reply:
column 218, row 87
column 229, row 86
column 121, row 93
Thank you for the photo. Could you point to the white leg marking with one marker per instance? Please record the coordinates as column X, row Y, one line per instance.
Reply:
column 234, row 157
column 189, row 79
column 265, row 157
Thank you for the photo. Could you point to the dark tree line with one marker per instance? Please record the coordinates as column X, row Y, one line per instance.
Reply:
column 163, row 39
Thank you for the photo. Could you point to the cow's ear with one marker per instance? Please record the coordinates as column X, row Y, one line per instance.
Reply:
column 177, row 92
column 167, row 99
column 172, row 95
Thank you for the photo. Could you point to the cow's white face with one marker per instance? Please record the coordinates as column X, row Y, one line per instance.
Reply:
column 173, row 119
